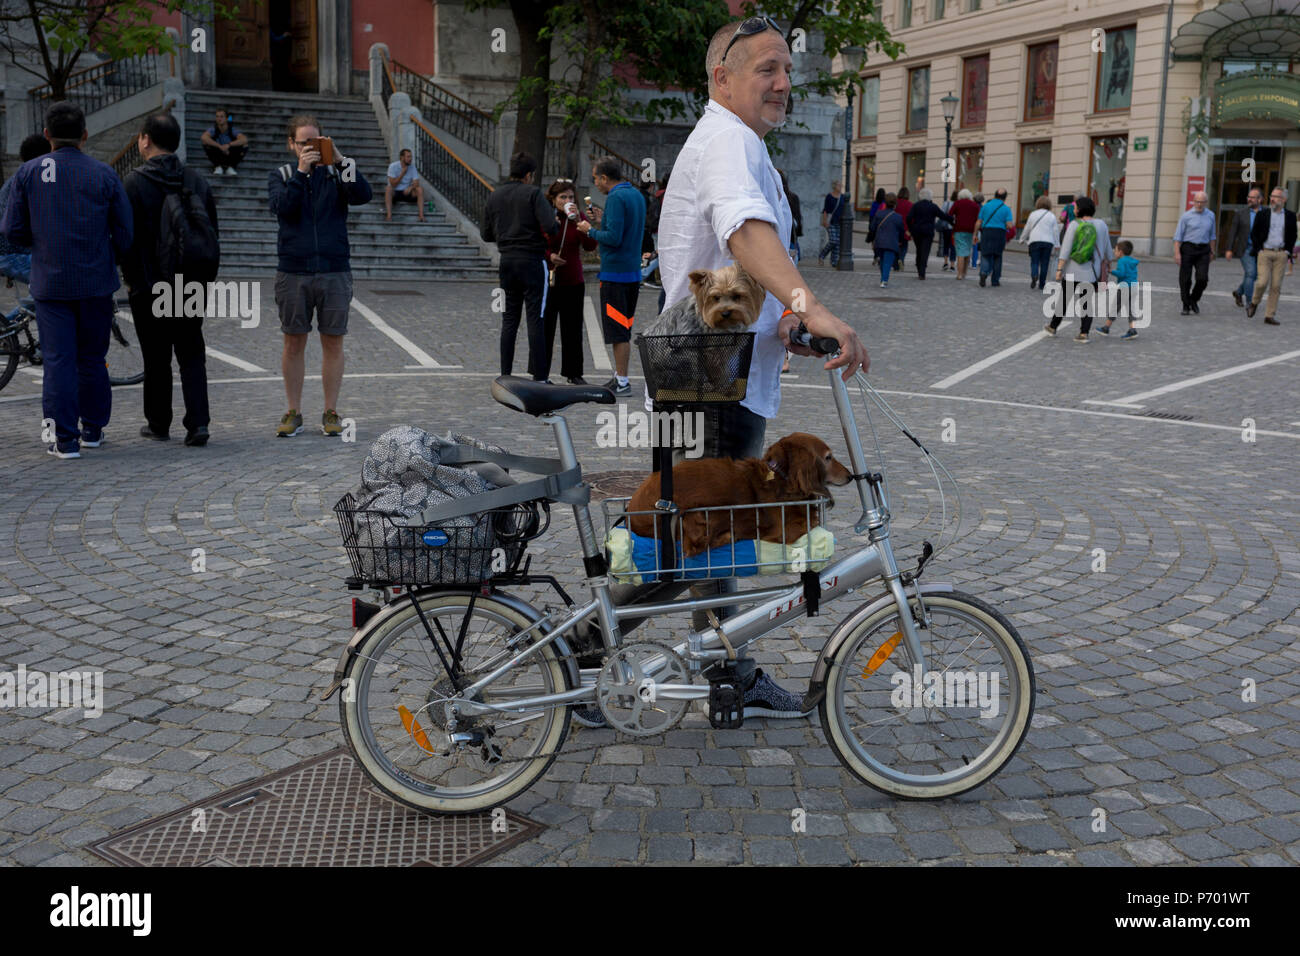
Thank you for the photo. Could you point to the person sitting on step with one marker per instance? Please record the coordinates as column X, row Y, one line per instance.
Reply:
column 224, row 145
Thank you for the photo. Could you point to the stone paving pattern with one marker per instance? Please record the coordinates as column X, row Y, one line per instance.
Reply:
column 212, row 679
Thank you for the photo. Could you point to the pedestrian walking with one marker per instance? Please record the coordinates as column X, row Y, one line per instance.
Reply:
column 876, row 205
column 795, row 252
column 1239, row 245
column 72, row 211
column 923, row 223
column 1040, row 233
column 965, row 216
column 903, row 206
column 1084, row 262
column 1193, row 252
column 618, row 230
column 832, row 209
column 567, row 293
column 995, row 219
column 1125, row 273
column 518, row 219
column 1272, row 237
column 310, row 200
column 887, row 237
column 192, row 252
column 948, row 251
column 975, row 247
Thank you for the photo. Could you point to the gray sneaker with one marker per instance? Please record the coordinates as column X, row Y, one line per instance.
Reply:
column 766, row 698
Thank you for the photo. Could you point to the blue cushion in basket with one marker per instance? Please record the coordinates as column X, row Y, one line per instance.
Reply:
column 632, row 558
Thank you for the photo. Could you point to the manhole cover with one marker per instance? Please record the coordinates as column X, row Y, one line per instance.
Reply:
column 615, row 484
column 324, row 812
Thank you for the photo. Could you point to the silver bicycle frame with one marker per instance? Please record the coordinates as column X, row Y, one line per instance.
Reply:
column 783, row 605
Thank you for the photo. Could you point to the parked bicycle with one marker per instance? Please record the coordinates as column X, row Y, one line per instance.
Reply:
column 457, row 697
column 19, row 341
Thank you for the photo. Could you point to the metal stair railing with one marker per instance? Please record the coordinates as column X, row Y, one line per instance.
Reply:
column 98, row 86
column 128, row 157
column 631, row 170
column 450, row 175
column 443, row 108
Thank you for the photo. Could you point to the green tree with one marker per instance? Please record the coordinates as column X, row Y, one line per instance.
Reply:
column 56, row 33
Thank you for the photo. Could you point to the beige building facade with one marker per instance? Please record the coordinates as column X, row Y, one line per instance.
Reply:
column 1135, row 104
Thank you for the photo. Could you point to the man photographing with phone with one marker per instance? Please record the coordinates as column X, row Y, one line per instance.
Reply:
column 311, row 199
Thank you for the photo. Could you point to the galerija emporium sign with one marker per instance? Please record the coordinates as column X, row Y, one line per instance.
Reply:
column 1263, row 94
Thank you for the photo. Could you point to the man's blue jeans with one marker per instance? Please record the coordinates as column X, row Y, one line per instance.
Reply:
column 1040, row 260
column 992, row 262
column 17, row 265
column 1250, row 267
column 74, row 343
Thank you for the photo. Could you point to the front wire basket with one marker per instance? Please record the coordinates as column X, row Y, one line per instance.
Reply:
column 469, row 550
column 693, row 369
column 749, row 540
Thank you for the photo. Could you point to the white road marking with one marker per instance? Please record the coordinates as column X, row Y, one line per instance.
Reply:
column 595, row 339
column 423, row 358
column 211, row 352
column 1200, row 379
column 34, row 373
column 1098, row 401
column 993, row 359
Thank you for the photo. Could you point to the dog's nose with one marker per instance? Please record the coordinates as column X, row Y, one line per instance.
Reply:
column 726, row 313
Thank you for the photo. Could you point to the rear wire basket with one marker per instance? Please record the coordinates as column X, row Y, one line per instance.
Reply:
column 694, row 368
column 468, row 550
column 782, row 524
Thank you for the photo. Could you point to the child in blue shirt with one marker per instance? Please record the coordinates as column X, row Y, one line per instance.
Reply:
column 1125, row 272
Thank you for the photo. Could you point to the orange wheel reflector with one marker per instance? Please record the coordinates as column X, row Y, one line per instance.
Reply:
column 878, row 658
column 414, row 729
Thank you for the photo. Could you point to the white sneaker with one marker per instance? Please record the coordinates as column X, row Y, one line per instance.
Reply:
column 230, row 171
column 216, row 170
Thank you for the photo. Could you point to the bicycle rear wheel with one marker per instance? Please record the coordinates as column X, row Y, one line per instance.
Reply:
column 125, row 361
column 394, row 718
column 925, row 737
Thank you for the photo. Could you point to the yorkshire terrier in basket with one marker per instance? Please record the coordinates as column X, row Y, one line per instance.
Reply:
column 723, row 300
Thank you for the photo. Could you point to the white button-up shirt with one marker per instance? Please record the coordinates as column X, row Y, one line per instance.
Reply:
column 723, row 177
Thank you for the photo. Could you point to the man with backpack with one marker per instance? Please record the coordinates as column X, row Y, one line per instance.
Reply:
column 176, row 240
column 310, row 198
column 72, row 211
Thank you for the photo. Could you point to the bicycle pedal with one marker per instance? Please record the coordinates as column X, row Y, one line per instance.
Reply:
column 727, row 684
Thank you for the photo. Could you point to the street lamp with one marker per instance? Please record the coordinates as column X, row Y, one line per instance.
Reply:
column 851, row 59
column 949, row 103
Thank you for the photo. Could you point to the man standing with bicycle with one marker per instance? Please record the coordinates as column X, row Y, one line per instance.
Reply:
column 73, row 212
column 725, row 204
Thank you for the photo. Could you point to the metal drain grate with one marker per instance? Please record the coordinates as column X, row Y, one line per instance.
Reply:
column 615, row 484
column 323, row 812
column 1169, row 416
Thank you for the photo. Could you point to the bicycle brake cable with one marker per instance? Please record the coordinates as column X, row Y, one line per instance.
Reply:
column 869, row 391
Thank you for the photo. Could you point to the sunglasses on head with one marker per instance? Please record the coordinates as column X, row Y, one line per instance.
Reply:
column 748, row 28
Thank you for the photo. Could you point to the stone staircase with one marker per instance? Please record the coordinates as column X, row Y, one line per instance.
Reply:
column 403, row 248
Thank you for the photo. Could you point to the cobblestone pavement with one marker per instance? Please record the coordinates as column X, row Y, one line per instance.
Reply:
column 212, row 678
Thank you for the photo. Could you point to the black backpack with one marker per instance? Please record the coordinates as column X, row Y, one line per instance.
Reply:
column 187, row 240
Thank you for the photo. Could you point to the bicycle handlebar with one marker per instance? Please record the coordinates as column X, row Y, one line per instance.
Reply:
column 819, row 344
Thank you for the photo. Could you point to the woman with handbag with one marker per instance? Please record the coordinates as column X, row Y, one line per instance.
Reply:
column 568, row 285
column 1040, row 234
column 887, row 233
column 965, row 214
column 923, row 221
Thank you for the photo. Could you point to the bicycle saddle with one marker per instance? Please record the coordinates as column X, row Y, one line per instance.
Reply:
column 538, row 398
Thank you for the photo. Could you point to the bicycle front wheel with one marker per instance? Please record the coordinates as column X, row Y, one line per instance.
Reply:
column 394, row 696
column 10, row 352
column 932, row 734
column 125, row 360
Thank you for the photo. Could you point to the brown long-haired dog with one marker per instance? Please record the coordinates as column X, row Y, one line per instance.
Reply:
column 798, row 467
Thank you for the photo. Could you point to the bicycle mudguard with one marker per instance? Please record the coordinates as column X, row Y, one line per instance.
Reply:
column 527, row 610
column 817, row 683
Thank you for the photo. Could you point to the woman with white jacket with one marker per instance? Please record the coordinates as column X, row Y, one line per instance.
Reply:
column 1040, row 232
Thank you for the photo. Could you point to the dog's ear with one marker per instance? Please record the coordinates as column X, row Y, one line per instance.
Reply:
column 806, row 471
column 699, row 279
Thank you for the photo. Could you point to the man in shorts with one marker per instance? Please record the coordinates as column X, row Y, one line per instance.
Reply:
column 403, row 185
column 314, row 275
column 619, row 230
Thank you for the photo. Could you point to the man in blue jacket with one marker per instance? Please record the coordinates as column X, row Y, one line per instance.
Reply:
column 73, row 212
column 315, row 273
column 618, row 231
